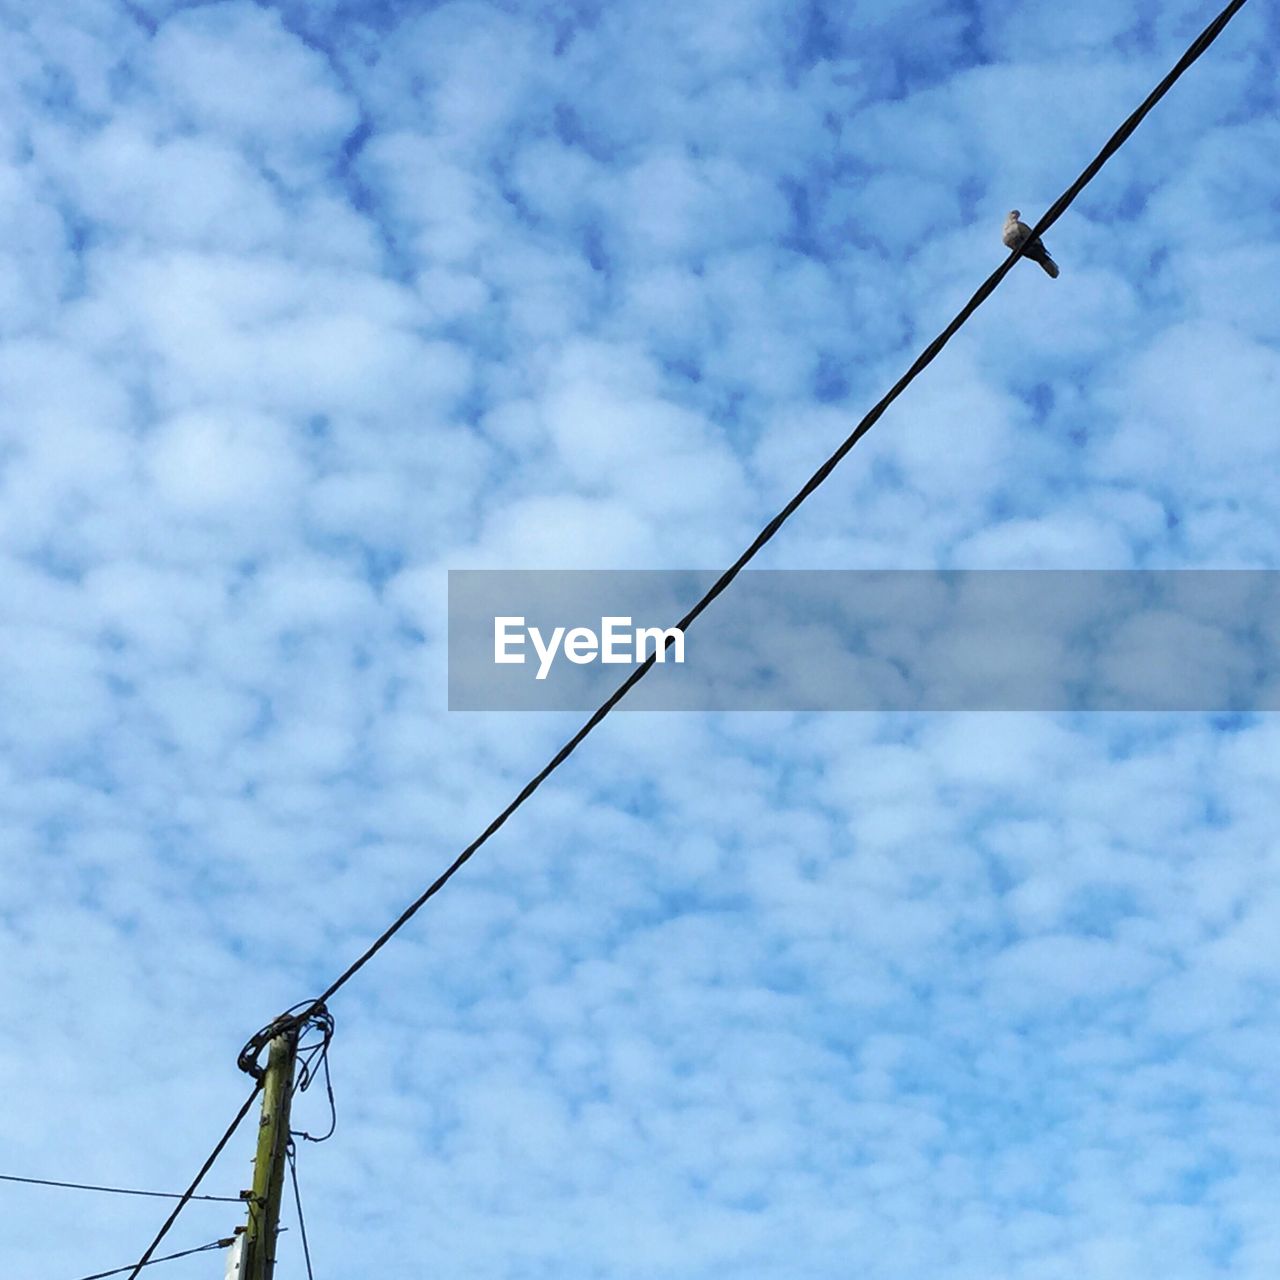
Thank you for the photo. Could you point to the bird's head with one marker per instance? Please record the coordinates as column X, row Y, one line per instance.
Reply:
column 1014, row 214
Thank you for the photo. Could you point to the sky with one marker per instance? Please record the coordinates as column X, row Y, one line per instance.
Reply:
column 303, row 305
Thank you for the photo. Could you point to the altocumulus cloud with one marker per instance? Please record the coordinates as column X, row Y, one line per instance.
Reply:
column 303, row 304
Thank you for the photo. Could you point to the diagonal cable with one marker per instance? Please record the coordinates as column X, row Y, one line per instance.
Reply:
column 168, row 1257
column 922, row 361
column 195, row 1182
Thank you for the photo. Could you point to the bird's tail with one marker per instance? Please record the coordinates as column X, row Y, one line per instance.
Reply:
column 1049, row 265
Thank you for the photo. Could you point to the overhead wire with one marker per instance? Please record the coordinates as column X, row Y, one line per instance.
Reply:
column 308, row 1057
column 168, row 1257
column 119, row 1191
column 291, row 1152
column 195, row 1182
column 922, row 361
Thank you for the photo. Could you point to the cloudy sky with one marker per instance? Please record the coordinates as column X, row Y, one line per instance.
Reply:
column 304, row 304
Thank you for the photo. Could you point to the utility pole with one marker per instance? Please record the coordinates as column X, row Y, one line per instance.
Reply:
column 257, row 1253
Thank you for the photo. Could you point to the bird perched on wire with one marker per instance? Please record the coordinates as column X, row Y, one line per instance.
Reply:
column 1016, row 232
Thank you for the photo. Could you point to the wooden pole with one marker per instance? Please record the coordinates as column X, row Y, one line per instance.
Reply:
column 259, row 1248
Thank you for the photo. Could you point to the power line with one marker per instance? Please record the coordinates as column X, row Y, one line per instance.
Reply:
column 922, row 361
column 168, row 1257
column 308, row 1056
column 1121, row 135
column 119, row 1191
column 292, row 1152
column 195, row 1182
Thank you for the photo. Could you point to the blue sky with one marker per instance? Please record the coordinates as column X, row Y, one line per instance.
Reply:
column 303, row 305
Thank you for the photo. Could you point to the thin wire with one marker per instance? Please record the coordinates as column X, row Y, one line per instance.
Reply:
column 1121, row 135
column 119, row 1191
column 922, row 361
column 114, row 1191
column 292, row 1152
column 168, row 1257
column 195, row 1182
column 314, row 1019
column 305, row 1078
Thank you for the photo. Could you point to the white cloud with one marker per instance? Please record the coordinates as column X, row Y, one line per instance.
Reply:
column 222, row 467
column 235, row 70
column 188, row 190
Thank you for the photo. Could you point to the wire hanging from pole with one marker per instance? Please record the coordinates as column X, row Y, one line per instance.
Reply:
column 168, row 1257
column 118, row 1191
column 308, row 1057
column 292, row 1153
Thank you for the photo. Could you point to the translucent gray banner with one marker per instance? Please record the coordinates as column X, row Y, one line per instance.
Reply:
column 811, row 640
